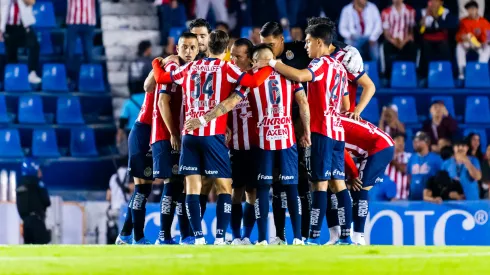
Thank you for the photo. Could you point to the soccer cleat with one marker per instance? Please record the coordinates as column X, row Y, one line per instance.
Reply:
column 298, row 242
column 220, row 241
column 246, row 241
column 142, row 241
column 164, row 242
column 237, row 241
column 358, row 238
column 188, row 241
column 345, row 241
column 262, row 243
column 123, row 240
column 311, row 241
column 277, row 241
column 200, row 241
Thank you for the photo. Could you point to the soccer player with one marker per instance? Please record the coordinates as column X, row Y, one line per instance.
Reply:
column 165, row 144
column 201, row 28
column 294, row 54
column 327, row 93
column 205, row 84
column 243, row 145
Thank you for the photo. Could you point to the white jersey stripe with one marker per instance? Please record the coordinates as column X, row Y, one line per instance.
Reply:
column 261, row 115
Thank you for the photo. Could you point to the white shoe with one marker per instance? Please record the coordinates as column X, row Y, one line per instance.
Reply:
column 298, row 242
column 277, row 241
column 237, row 241
column 246, row 241
column 219, row 241
column 358, row 238
column 33, row 78
column 262, row 243
column 200, row 241
column 334, row 235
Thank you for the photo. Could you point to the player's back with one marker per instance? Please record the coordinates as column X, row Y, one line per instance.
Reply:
column 146, row 111
column 339, row 55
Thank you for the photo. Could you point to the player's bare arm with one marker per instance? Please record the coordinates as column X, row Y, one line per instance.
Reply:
column 304, row 113
column 150, row 83
column 166, row 113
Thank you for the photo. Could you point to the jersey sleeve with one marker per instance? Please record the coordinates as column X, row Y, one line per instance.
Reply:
column 316, row 69
column 161, row 77
column 169, row 67
column 255, row 80
column 178, row 75
column 233, row 73
column 242, row 91
column 296, row 87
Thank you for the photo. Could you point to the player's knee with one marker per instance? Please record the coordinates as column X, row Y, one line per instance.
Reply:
column 337, row 185
column 320, row 186
column 251, row 195
column 138, row 181
column 223, row 186
column 207, row 185
column 193, row 184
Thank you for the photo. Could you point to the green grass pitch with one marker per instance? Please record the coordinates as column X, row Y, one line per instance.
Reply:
column 231, row 260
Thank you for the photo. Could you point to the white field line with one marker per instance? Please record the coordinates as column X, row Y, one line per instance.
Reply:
column 418, row 255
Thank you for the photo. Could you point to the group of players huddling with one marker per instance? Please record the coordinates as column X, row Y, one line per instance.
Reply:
column 195, row 142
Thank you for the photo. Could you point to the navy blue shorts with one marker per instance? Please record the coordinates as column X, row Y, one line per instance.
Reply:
column 243, row 168
column 283, row 162
column 165, row 160
column 140, row 161
column 207, row 156
column 372, row 169
column 327, row 158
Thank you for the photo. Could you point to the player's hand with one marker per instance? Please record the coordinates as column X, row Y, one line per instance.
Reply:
column 305, row 141
column 192, row 124
column 261, row 63
column 356, row 184
column 228, row 135
column 353, row 60
column 354, row 115
column 175, row 141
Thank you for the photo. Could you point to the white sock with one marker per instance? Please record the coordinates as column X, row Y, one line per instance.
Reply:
column 334, row 232
column 357, row 237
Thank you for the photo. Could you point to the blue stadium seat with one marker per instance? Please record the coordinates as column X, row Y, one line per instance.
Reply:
column 44, row 14
column 371, row 113
column 403, row 75
column 476, row 110
column 371, row 68
column 287, row 36
column 477, row 75
column 448, row 102
column 44, row 143
column 45, row 43
column 91, row 78
column 78, row 46
column 16, row 78
column 483, row 136
column 407, row 110
column 54, row 78
column 10, row 144
column 4, row 117
column 175, row 33
column 68, row 111
column 82, row 143
column 246, row 32
column 441, row 75
column 31, row 109
column 408, row 140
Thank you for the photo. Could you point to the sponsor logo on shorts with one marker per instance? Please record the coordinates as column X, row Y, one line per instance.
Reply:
column 187, row 168
column 338, row 173
column 155, row 173
column 175, row 169
column 378, row 180
column 211, row 172
column 263, row 177
column 328, row 173
column 282, row 177
column 148, row 172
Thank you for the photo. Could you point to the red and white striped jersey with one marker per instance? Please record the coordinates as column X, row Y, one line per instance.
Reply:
column 339, row 55
column 205, row 83
column 242, row 123
column 401, row 179
column 364, row 139
column 325, row 92
column 146, row 111
column 398, row 23
column 272, row 104
column 14, row 14
column 81, row 12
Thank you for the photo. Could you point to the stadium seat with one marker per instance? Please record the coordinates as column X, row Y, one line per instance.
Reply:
column 10, row 144
column 371, row 113
column 68, row 111
column 44, row 14
column 403, row 75
column 4, row 116
column 54, row 78
column 371, row 68
column 91, row 78
column 45, row 43
column 407, row 110
column 287, row 36
column 78, row 47
column 31, row 109
column 44, row 143
column 408, row 140
column 175, row 33
column 448, row 102
column 16, row 78
column 476, row 110
column 477, row 75
column 246, row 32
column 441, row 75
column 82, row 142
column 483, row 136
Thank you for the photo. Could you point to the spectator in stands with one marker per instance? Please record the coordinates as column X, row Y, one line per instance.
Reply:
column 421, row 166
column 472, row 36
column 171, row 14
column 485, row 180
column 80, row 22
column 139, row 69
column 397, row 169
column 398, row 24
column 288, row 12
column 297, row 34
column 255, row 38
column 360, row 26
column 444, row 148
column 389, row 121
column 474, row 146
column 129, row 113
column 15, row 27
column 440, row 125
column 442, row 188
column 464, row 169
column 219, row 9
column 436, row 24
column 222, row 26
column 463, row 11
column 383, row 191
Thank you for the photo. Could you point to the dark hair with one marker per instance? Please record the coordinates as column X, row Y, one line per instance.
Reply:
column 422, row 136
column 322, row 31
column 471, row 4
column 143, row 46
column 218, row 42
column 220, row 23
column 188, row 35
column 271, row 28
column 262, row 46
column 324, row 20
column 199, row 22
column 397, row 135
column 478, row 154
column 245, row 43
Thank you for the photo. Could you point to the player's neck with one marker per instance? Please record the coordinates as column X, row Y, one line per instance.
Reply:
column 398, row 6
column 219, row 56
column 327, row 50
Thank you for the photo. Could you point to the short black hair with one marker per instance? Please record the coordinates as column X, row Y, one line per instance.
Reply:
column 218, row 42
column 271, row 28
column 245, row 43
column 262, row 46
column 220, row 23
column 471, row 4
column 143, row 46
column 199, row 22
column 188, row 35
column 322, row 31
column 320, row 20
column 397, row 135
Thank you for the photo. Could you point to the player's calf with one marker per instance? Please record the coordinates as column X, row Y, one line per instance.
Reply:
column 249, row 214
column 344, row 210
column 223, row 207
column 193, row 207
column 318, row 211
column 142, row 190
column 262, row 211
column 236, row 211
